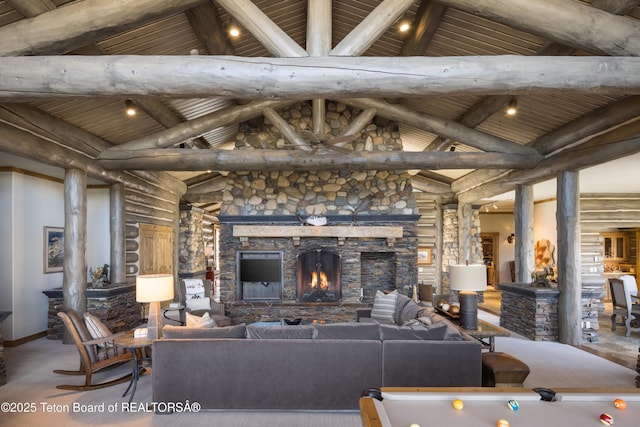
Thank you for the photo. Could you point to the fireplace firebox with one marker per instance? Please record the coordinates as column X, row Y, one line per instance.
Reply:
column 319, row 276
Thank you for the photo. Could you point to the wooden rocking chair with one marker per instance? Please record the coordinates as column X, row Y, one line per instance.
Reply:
column 96, row 355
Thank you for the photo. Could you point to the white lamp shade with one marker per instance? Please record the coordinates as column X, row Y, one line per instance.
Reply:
column 154, row 287
column 468, row 277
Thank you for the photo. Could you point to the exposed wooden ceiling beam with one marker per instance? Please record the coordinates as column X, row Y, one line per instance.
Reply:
column 581, row 129
column 565, row 21
column 371, row 28
column 305, row 78
column 425, row 24
column 206, row 24
column 604, row 148
column 200, row 126
column 81, row 23
column 250, row 160
column 262, row 28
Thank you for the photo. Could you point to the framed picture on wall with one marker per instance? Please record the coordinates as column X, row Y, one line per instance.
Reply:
column 424, row 255
column 53, row 249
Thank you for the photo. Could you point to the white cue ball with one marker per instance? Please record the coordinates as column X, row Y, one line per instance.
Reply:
column 414, row 425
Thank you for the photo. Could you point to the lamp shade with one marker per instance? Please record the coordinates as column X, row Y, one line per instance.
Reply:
column 468, row 277
column 154, row 287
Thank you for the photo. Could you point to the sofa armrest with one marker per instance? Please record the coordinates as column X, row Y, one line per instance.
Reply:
column 362, row 312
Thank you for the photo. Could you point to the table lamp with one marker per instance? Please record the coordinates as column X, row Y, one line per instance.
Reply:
column 154, row 288
column 468, row 279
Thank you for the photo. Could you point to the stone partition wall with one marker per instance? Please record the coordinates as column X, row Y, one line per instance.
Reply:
column 191, row 257
column 114, row 304
column 360, row 259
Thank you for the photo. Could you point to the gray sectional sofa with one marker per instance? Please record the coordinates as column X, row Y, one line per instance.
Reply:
column 307, row 367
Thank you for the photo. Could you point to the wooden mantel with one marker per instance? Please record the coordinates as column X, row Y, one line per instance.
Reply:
column 342, row 232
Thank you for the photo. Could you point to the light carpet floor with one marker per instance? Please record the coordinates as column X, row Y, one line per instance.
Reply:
column 31, row 380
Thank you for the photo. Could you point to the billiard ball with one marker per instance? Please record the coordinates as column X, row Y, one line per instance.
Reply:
column 620, row 404
column 502, row 423
column 606, row 419
column 414, row 425
column 458, row 404
column 513, row 405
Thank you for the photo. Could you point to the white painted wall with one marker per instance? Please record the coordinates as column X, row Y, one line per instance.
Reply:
column 544, row 222
column 27, row 205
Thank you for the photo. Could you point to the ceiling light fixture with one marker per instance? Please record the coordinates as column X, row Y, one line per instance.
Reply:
column 512, row 108
column 233, row 29
column 130, row 108
column 404, row 24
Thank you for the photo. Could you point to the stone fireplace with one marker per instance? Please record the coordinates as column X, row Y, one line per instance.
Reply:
column 367, row 248
column 319, row 276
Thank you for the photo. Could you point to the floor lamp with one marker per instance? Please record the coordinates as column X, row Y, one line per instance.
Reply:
column 154, row 288
column 468, row 279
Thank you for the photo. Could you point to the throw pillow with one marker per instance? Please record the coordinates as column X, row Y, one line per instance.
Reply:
column 96, row 328
column 172, row 331
column 194, row 288
column 194, row 321
column 384, row 306
column 199, row 304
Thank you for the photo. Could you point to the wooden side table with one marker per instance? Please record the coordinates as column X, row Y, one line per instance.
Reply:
column 486, row 333
column 137, row 346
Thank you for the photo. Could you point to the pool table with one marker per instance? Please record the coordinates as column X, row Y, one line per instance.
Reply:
column 484, row 406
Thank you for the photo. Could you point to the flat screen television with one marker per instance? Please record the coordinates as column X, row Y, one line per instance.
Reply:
column 260, row 270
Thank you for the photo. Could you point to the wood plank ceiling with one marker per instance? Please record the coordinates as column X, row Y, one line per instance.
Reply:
column 449, row 29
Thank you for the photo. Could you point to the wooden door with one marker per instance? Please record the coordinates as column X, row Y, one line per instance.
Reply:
column 156, row 249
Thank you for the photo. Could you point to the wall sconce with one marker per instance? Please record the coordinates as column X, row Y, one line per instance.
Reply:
column 511, row 238
column 130, row 108
column 512, row 107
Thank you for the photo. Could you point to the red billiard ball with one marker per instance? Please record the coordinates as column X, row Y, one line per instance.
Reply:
column 606, row 419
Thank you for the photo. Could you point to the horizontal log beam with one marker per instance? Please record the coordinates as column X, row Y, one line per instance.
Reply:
column 569, row 22
column 176, row 159
column 311, row 77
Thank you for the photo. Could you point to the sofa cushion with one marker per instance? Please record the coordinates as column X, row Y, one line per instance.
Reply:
column 280, row 332
column 452, row 333
column 347, row 331
column 384, row 307
column 204, row 321
column 414, row 331
column 172, row 331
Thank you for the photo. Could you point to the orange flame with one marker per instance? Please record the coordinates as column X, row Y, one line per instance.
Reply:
column 324, row 283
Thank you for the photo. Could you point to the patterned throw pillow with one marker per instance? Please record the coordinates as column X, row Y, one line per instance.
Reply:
column 96, row 328
column 384, row 307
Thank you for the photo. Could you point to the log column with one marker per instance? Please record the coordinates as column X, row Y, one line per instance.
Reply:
column 465, row 223
column 524, row 256
column 117, row 234
column 569, row 264
column 74, row 280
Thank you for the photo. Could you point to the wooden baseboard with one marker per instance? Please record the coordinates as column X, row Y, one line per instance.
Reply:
column 25, row 340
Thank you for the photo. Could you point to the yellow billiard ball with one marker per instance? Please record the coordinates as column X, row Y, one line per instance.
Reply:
column 620, row 404
column 502, row 423
column 458, row 404
column 414, row 425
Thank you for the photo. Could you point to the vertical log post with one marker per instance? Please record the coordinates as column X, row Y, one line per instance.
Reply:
column 524, row 256
column 465, row 223
column 117, row 229
column 74, row 282
column 569, row 264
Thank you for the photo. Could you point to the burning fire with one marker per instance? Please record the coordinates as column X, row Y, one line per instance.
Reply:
column 324, row 283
